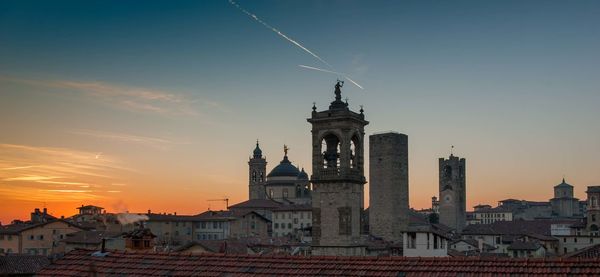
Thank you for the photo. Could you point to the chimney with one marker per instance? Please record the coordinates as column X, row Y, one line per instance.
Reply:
column 149, row 211
column 45, row 212
column 175, row 213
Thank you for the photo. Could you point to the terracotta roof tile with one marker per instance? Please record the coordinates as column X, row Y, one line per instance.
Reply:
column 80, row 262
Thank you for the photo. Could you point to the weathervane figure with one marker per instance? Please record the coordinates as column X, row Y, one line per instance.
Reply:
column 285, row 149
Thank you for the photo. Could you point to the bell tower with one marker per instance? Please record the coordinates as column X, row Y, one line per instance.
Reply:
column 452, row 202
column 338, row 178
column 257, row 173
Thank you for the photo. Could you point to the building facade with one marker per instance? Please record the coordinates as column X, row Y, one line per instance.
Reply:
column 564, row 204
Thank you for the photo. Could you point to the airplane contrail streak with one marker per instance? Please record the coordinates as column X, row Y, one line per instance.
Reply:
column 278, row 32
column 319, row 69
column 355, row 83
column 333, row 72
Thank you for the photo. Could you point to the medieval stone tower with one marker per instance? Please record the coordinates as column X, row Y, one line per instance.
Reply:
column 257, row 172
column 388, row 185
column 453, row 205
column 338, row 178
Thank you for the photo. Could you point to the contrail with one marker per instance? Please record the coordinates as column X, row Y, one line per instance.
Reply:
column 319, row 69
column 278, row 32
column 333, row 72
column 346, row 76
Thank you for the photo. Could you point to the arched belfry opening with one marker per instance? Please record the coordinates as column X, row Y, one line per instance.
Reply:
column 330, row 146
column 355, row 148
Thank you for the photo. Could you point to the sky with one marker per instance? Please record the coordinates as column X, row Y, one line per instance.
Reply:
column 137, row 105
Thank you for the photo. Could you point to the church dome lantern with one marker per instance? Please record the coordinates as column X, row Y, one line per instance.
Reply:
column 285, row 168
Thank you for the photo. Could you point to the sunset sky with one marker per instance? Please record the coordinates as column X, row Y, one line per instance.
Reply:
column 137, row 105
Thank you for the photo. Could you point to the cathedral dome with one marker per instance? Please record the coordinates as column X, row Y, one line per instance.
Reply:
column 284, row 169
column 303, row 175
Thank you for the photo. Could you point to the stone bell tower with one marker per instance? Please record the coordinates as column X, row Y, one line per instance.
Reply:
column 257, row 172
column 338, row 178
column 452, row 203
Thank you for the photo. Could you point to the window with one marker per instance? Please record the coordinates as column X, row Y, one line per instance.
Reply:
column 575, row 240
column 289, row 215
column 411, row 242
column 54, row 232
column 593, row 202
column 285, row 193
column 295, row 221
column 215, row 225
column 497, row 240
column 253, row 225
column 276, row 225
column 41, row 237
column 593, row 218
column 435, row 242
column 31, row 237
column 289, row 225
column 428, row 235
column 203, row 224
column 345, row 221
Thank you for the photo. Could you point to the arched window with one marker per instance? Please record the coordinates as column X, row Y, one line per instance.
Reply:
column 262, row 177
column 354, row 149
column 593, row 202
column 330, row 147
column 254, row 176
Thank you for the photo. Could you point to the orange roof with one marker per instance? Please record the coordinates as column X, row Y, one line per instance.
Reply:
column 82, row 263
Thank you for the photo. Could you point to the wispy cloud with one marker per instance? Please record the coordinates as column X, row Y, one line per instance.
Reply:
column 131, row 98
column 33, row 173
column 155, row 142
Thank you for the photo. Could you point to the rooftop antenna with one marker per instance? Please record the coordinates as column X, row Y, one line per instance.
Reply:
column 452, row 150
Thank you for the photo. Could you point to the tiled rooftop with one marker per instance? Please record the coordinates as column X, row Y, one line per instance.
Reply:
column 81, row 263
column 588, row 252
column 17, row 264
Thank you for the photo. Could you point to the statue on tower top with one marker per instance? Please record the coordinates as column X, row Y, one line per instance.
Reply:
column 285, row 149
column 338, row 91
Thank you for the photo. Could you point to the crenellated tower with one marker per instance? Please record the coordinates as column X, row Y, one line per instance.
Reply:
column 453, row 192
